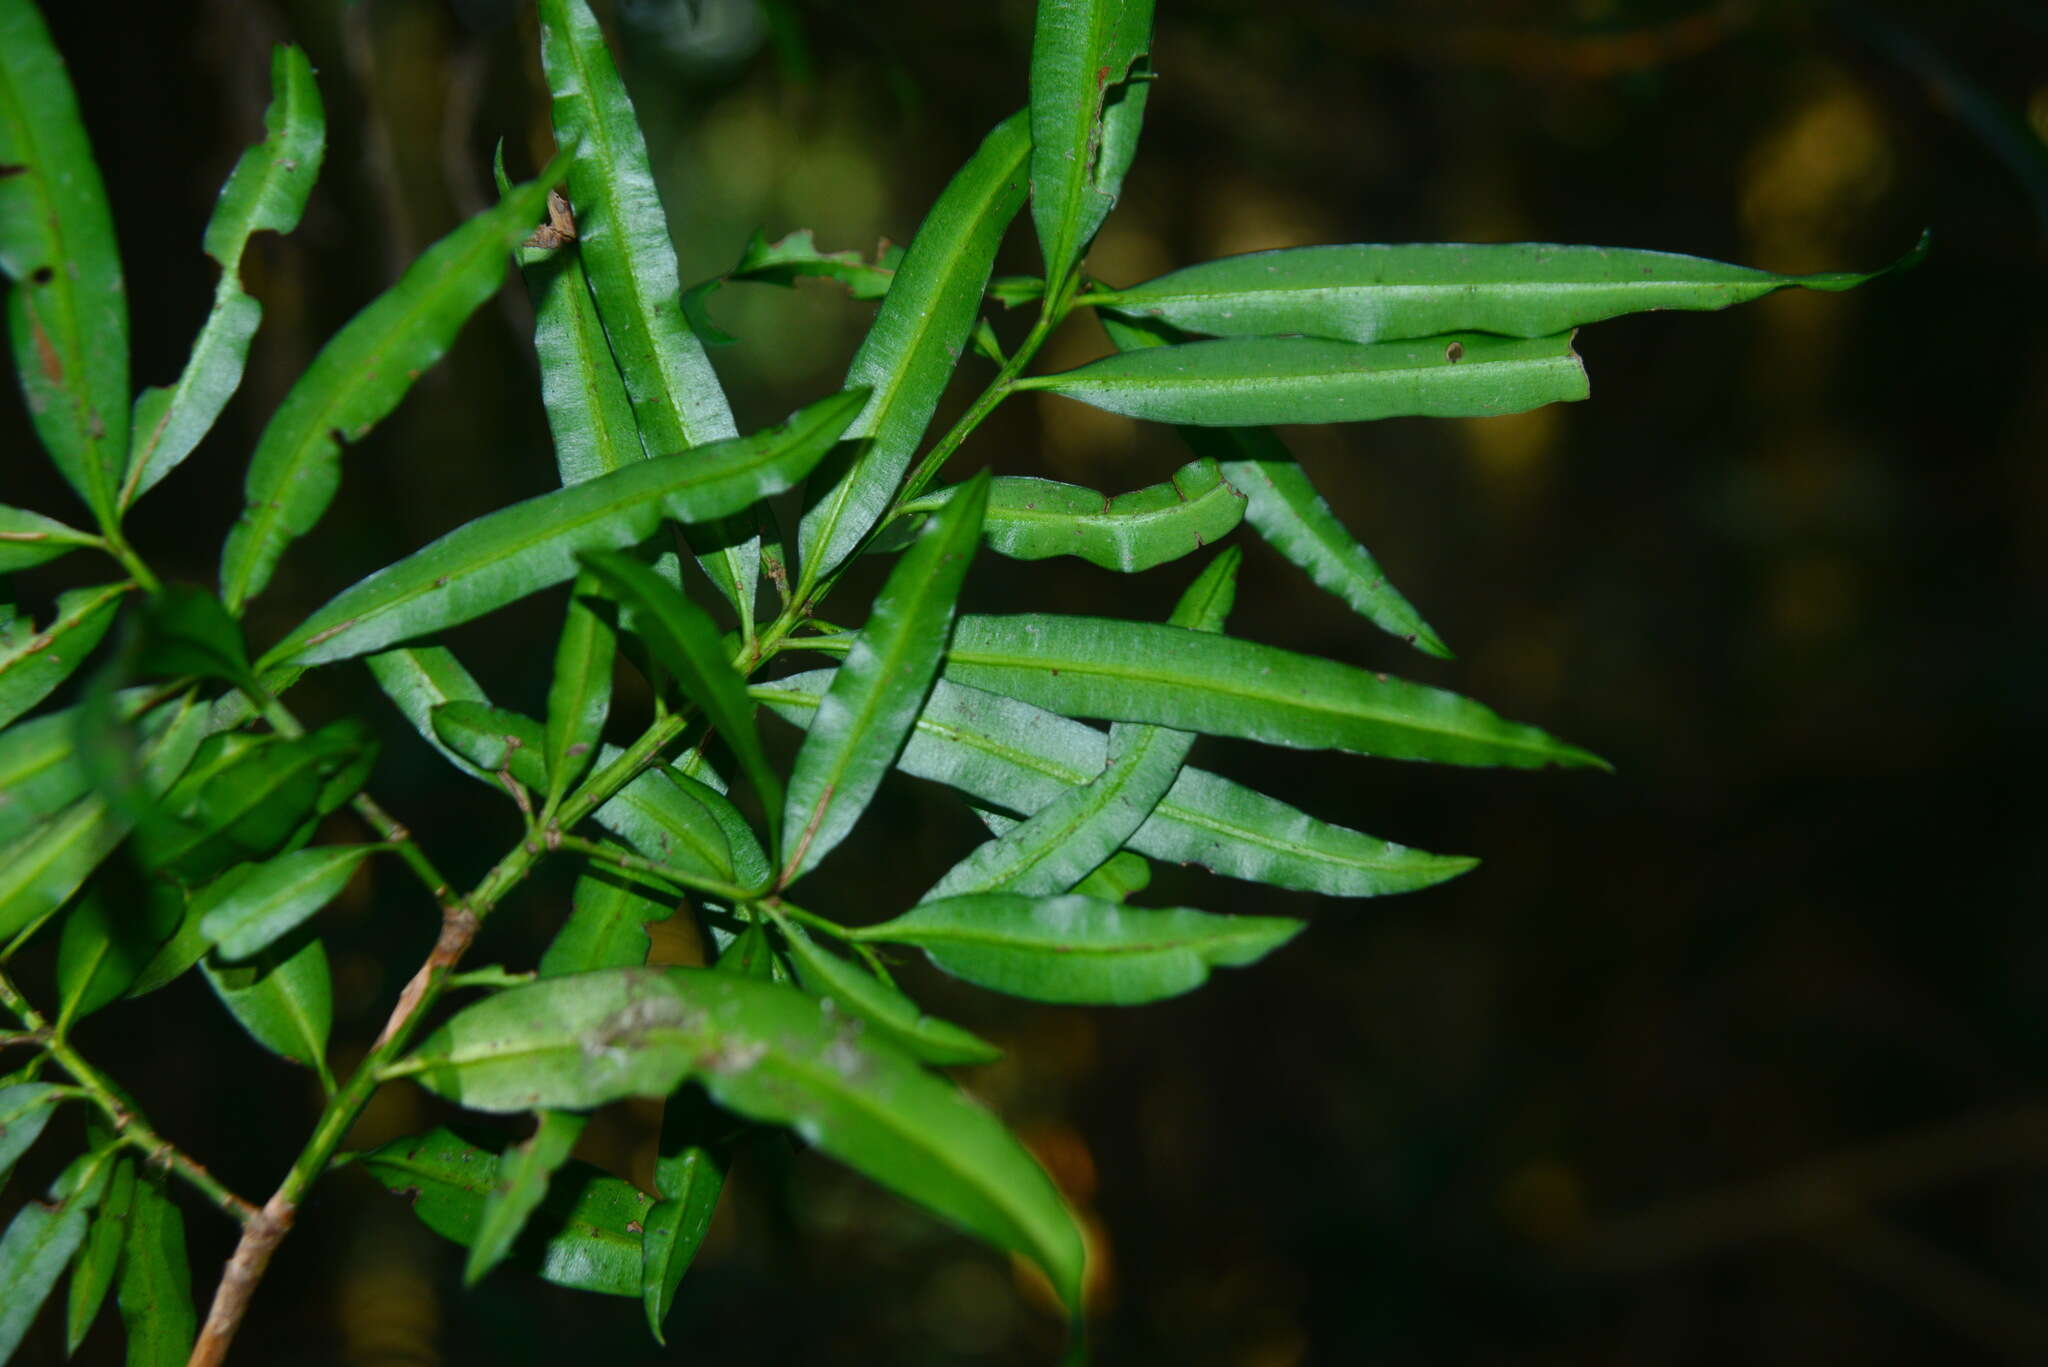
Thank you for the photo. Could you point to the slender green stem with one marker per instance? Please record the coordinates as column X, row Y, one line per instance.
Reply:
column 654, row 871
column 117, row 546
column 776, row 906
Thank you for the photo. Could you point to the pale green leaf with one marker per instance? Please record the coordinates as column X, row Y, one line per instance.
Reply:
column 1082, row 55
column 278, row 896
column 28, row 539
column 25, row 1108
column 36, row 661
column 418, row 679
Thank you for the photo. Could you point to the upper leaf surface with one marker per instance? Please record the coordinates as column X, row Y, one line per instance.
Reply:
column 1081, row 50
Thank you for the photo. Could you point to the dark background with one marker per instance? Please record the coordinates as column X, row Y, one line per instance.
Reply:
column 1733, row 1056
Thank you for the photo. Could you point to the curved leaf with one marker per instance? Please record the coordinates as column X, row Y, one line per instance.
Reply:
column 156, row 1281
column 43, row 1236
column 689, row 1177
column 607, row 927
column 1010, row 753
column 503, row 556
column 33, row 664
column 1122, row 874
column 773, row 1055
column 358, row 378
column 522, row 1183
column 889, row 1013
column 493, row 739
column 285, row 1003
column 1218, row 685
column 580, row 693
column 1378, row 293
column 107, row 941
column 92, row 1272
column 24, row 1109
column 277, row 896
column 910, row 351
column 1247, row 381
column 28, row 539
column 67, row 314
column 418, row 679
column 585, row 1234
column 1076, row 949
column 266, row 192
column 875, row 696
column 1082, row 53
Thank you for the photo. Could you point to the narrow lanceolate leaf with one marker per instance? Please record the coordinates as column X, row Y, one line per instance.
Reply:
column 40, row 769
column 40, row 1242
column 687, row 643
column 1247, row 381
column 1076, row 949
column 585, row 1235
column 1379, row 293
column 418, row 679
column 496, row 740
column 37, row 661
column 503, row 556
column 580, row 695
column 1069, row 837
column 358, row 378
column 266, row 192
column 1082, row 54
column 607, row 927
column 1284, row 508
column 278, row 896
column 771, row 1054
column 623, row 238
column 522, row 1183
column 913, row 347
column 156, row 1281
column 1020, row 757
column 1218, row 685
column 876, row 694
column 67, row 314
column 689, row 1177
column 265, row 798
column 887, row 1012
column 109, row 937
column 24, row 1109
column 680, row 822
column 28, row 539
column 1032, row 519
column 92, row 1272
column 285, row 1003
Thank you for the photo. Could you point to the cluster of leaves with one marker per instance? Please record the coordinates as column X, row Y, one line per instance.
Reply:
column 164, row 820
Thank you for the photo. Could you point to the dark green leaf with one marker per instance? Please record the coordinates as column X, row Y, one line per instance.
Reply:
column 580, row 695
column 278, row 896
column 186, row 630
column 35, row 662
column 585, row 1235
column 522, row 1183
column 493, row 739
column 45, row 1234
column 28, row 539
column 689, row 1176
column 108, row 939
column 68, row 311
column 1384, row 293
column 687, row 644
column 889, row 1013
column 156, row 1281
column 1246, row 381
column 24, row 1109
column 266, row 192
column 1217, row 685
column 40, row 769
column 913, row 347
column 771, row 1054
column 677, row 821
column 420, row 678
column 751, row 954
column 1082, row 57
column 265, row 797
column 1076, row 949
column 875, row 696
column 1018, row 756
column 92, row 1275
column 503, row 556
column 607, row 926
column 286, row 1003
column 359, row 377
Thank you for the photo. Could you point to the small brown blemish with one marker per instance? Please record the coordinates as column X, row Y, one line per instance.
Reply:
column 634, row 1227
column 1455, row 352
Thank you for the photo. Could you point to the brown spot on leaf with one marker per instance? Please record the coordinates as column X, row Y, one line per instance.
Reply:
column 12, row 168
column 1455, row 352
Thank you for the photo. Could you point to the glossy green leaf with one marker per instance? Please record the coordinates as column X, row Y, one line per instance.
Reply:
column 912, row 348
column 92, row 1272
column 1284, row 508
column 1012, row 754
column 108, row 939
column 40, row 769
column 503, row 556
column 1076, row 949
column 35, row 662
column 25, row 1108
column 1082, row 57
column 285, row 1002
column 278, row 896
column 522, row 1183
column 67, row 315
column 751, row 954
column 357, row 379
column 266, row 192
column 44, row 1235
column 1247, row 381
column 186, row 945
column 1218, row 685
column 580, row 694
column 28, row 539
column 689, row 1177
column 875, row 696
column 607, row 926
column 623, row 239
column 676, row 821
column 1378, row 293
column 418, row 679
column 886, row 1011
column 1122, row 874
column 1032, row 519
column 186, row 630
column 265, row 797
column 1068, row 838
column 688, row 645
column 156, row 1281
column 585, row 1235
column 768, row 1053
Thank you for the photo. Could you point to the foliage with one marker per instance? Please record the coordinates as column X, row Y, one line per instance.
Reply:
column 169, row 815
